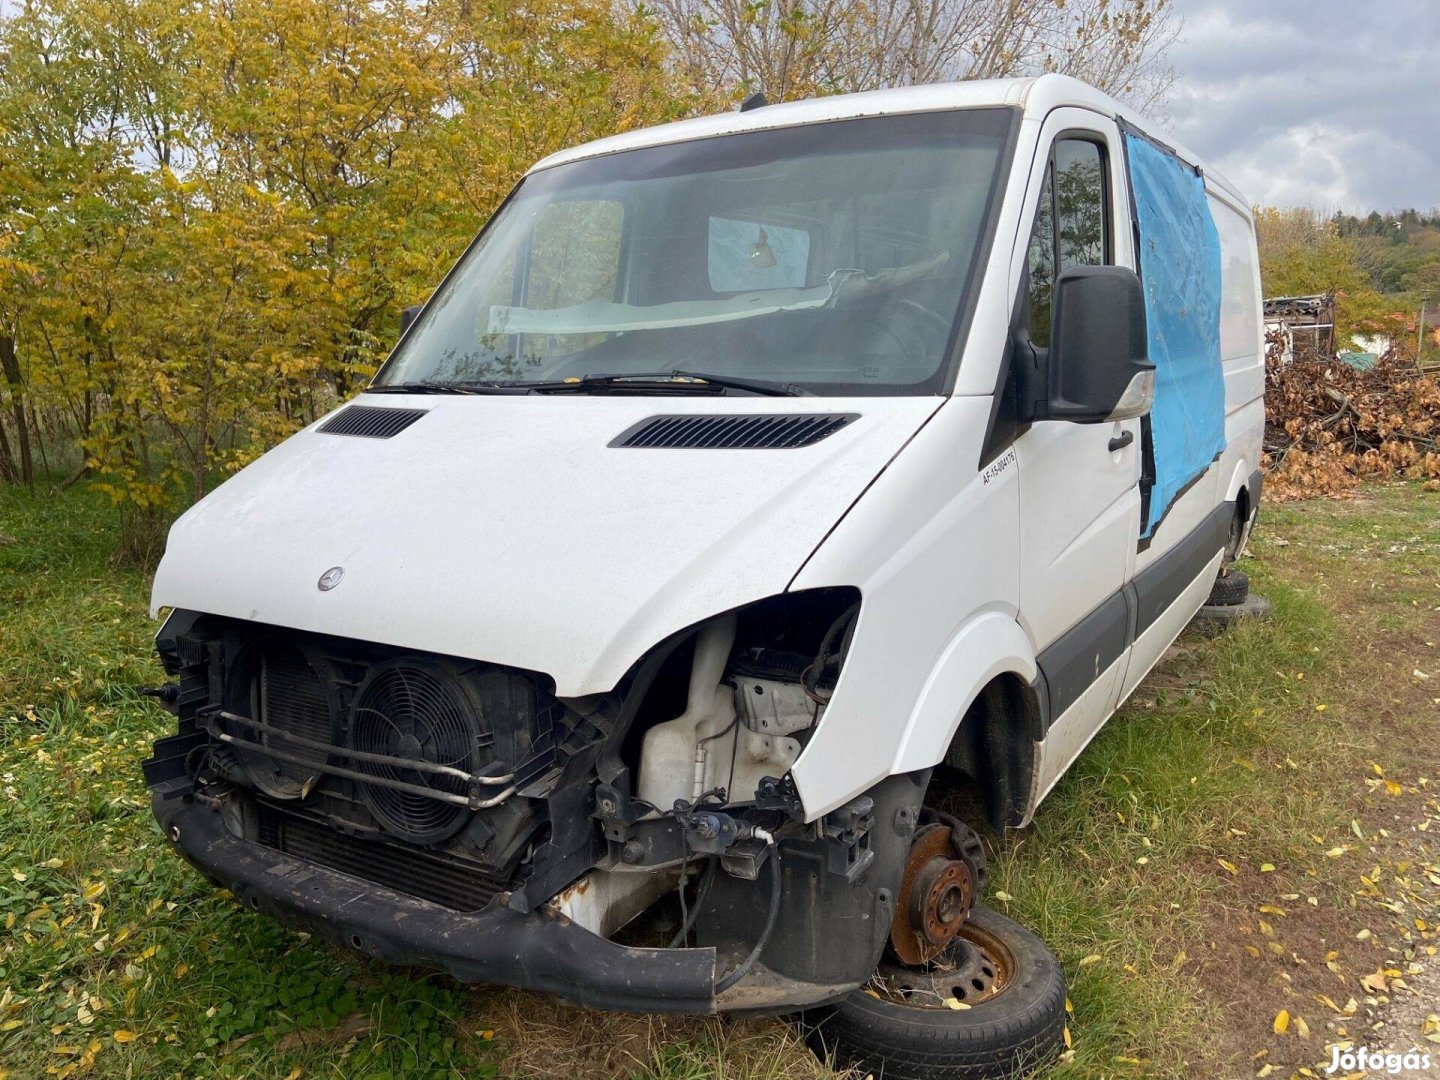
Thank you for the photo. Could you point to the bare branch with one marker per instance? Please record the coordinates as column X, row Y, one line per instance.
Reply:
column 807, row 47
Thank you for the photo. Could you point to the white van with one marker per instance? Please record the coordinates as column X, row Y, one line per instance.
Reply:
column 744, row 475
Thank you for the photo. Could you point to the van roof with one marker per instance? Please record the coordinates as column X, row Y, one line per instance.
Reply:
column 1035, row 96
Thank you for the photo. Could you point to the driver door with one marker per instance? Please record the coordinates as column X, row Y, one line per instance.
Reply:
column 1079, row 483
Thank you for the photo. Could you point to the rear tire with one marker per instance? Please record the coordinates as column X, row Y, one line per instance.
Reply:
column 1229, row 588
column 1019, row 1028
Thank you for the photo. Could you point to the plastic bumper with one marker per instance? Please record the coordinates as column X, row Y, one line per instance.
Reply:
column 540, row 951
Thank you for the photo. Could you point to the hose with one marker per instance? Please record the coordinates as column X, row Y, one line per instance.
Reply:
column 810, row 677
column 775, row 888
column 687, row 923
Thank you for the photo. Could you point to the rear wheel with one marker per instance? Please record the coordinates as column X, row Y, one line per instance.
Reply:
column 991, row 1005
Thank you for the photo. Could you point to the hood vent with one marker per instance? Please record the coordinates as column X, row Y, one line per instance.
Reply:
column 371, row 422
column 733, row 432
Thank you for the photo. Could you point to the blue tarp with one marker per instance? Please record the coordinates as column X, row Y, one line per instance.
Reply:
column 1360, row 361
column 1180, row 267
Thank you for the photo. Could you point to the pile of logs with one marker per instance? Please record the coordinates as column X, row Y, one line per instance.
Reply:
column 1329, row 425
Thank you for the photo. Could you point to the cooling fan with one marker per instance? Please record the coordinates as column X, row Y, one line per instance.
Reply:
column 289, row 691
column 418, row 710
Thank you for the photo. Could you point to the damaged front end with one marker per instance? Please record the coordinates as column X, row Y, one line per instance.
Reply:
column 448, row 813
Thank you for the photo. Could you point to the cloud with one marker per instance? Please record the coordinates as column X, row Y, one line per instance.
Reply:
column 1320, row 103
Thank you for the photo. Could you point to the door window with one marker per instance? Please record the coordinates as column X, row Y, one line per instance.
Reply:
column 1072, row 225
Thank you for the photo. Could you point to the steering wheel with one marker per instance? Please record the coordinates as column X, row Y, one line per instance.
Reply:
column 921, row 331
column 937, row 321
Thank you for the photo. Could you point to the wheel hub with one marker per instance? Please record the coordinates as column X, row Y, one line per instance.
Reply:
column 940, row 900
column 937, row 891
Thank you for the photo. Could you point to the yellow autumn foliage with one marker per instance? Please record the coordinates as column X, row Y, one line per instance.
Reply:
column 211, row 213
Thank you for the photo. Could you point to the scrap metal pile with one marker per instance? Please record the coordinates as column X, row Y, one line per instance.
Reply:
column 1328, row 425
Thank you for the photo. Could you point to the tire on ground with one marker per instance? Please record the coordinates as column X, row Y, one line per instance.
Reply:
column 1019, row 1029
column 1231, row 588
column 1219, row 617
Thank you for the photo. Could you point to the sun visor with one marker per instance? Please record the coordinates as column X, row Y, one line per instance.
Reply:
column 1179, row 263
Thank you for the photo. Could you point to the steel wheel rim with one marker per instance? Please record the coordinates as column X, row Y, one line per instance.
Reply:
column 974, row 969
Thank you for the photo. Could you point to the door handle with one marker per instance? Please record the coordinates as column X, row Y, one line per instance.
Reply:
column 1119, row 442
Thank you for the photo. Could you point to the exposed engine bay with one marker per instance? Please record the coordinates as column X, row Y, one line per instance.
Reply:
column 472, row 786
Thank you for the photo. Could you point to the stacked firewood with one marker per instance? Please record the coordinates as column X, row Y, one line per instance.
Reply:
column 1329, row 425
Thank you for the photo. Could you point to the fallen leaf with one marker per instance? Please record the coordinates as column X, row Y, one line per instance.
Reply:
column 1375, row 983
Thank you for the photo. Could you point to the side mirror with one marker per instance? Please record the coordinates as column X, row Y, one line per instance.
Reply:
column 408, row 316
column 1099, row 364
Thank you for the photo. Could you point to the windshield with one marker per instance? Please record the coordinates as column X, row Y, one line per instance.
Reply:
column 830, row 258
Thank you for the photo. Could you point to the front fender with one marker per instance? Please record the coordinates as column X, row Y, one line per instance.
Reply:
column 989, row 645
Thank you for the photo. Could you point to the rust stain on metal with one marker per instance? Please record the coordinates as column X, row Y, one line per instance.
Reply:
column 580, row 888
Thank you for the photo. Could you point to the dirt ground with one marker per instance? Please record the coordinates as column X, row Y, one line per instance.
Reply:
column 1335, row 945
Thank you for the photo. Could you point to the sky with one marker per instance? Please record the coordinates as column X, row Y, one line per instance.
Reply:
column 1332, row 104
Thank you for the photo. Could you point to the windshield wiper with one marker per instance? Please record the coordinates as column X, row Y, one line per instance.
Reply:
column 665, row 382
column 436, row 388
column 755, row 386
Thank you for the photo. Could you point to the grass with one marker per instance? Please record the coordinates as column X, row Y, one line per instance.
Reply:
column 1144, row 869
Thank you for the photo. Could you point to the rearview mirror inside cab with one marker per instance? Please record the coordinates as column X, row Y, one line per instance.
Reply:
column 1099, row 364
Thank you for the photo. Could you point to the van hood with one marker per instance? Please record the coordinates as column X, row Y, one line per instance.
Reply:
column 508, row 529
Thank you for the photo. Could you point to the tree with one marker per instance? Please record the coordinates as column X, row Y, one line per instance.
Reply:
column 1302, row 253
column 212, row 211
column 798, row 48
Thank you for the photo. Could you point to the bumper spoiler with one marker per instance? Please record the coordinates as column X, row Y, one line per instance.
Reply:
column 540, row 951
